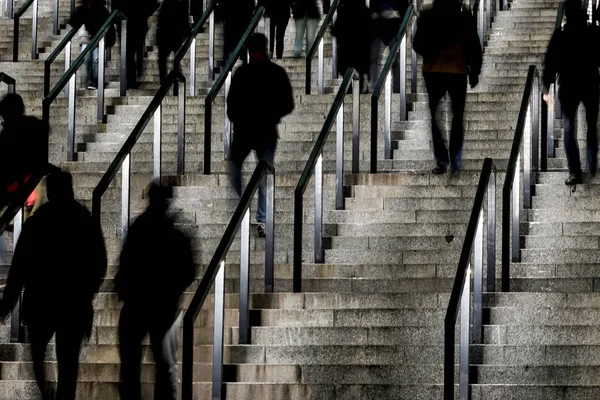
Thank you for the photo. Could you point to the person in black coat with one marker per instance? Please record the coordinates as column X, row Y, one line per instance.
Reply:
column 354, row 46
column 237, row 15
column 172, row 30
column 306, row 17
column 60, row 261
column 279, row 12
column 260, row 95
column 573, row 55
column 156, row 266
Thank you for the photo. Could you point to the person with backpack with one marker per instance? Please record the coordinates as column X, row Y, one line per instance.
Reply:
column 573, row 56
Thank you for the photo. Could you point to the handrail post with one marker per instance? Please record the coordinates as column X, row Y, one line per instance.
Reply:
column 193, row 68
column 211, row 47
column 123, row 69
column 298, row 233
column 527, row 152
column 413, row 62
column 227, row 137
column 244, row 316
column 334, row 54
column 480, row 18
column 403, row 108
column 488, row 14
column 339, row 160
column 465, row 323
column 374, row 133
column 55, row 18
column 101, row 61
column 319, row 252
column 125, row 196
column 355, row 126
column 387, row 101
column 218, row 334
column 157, row 144
column 67, row 65
column 71, row 122
column 16, row 39
column 491, row 234
column 506, row 217
column 11, row 8
column 516, row 253
column 551, row 106
column 535, row 127
column 270, row 238
column 478, row 282
column 16, row 333
column 34, row 22
column 181, row 128
column 208, row 135
column 321, row 66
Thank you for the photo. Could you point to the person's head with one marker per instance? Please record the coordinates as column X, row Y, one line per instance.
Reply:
column 575, row 12
column 11, row 107
column 158, row 197
column 59, row 187
column 257, row 46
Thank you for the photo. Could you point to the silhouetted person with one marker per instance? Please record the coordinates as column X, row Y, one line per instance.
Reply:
column 573, row 55
column 260, row 95
column 279, row 12
column 447, row 39
column 156, row 266
column 60, row 261
column 172, row 30
column 237, row 15
column 93, row 14
column 386, row 18
column 353, row 20
column 23, row 148
column 306, row 17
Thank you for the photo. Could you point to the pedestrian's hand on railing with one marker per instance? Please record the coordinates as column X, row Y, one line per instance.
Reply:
column 473, row 80
column 546, row 97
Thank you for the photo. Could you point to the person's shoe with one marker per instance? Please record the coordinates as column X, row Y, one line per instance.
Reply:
column 261, row 229
column 439, row 170
column 574, row 179
column 92, row 87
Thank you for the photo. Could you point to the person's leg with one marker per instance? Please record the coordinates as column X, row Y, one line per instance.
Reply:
column 311, row 31
column 88, row 66
column 131, row 333
column 68, row 346
column 300, row 29
column 457, row 89
column 569, row 112
column 130, row 56
column 39, row 337
column 436, row 91
column 239, row 152
column 376, row 47
column 163, row 53
column 94, row 59
column 165, row 371
column 591, row 111
column 280, row 36
column 272, row 32
column 390, row 30
column 267, row 154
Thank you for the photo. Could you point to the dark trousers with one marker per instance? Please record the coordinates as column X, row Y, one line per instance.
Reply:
column 278, row 28
column 136, row 38
column 163, row 56
column 134, row 325
column 438, row 84
column 68, row 346
column 569, row 101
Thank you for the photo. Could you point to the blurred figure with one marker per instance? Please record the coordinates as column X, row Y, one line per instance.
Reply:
column 60, row 261
column 92, row 14
column 173, row 29
column 573, row 55
column 260, row 95
column 447, row 39
column 23, row 148
column 386, row 18
column 279, row 12
column 237, row 15
column 306, row 17
column 156, row 266
column 353, row 45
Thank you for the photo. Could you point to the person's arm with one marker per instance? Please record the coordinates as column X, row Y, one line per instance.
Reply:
column 78, row 18
column 235, row 97
column 97, row 256
column 286, row 95
column 551, row 62
column 18, row 271
column 474, row 52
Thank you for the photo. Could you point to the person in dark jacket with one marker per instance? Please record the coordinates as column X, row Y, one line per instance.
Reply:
column 306, row 17
column 23, row 148
column 260, row 95
column 353, row 19
column 93, row 14
column 172, row 30
column 60, row 261
column 573, row 55
column 386, row 18
column 279, row 12
column 237, row 15
column 447, row 39
column 156, row 266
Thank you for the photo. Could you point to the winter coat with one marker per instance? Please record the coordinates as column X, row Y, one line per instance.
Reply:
column 93, row 18
column 173, row 25
column 352, row 22
column 277, row 8
column 305, row 8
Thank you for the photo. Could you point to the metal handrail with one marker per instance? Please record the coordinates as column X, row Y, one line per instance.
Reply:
column 461, row 290
column 482, row 11
column 55, row 24
column 34, row 21
column 385, row 81
column 215, row 273
column 10, row 82
column 190, row 44
column 70, row 76
column 65, row 44
column 560, row 19
column 318, row 44
column 225, row 79
column 315, row 165
column 528, row 119
column 123, row 157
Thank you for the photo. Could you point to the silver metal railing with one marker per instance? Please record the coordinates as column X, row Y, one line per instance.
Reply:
column 34, row 22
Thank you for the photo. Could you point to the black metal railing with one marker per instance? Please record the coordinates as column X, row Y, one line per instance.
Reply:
column 315, row 165
column 461, row 290
column 215, row 274
column 319, row 45
column 190, row 45
column 224, row 79
column 123, row 157
column 55, row 21
column 525, row 146
column 384, row 83
column 34, row 22
column 70, row 78
column 65, row 45
column 10, row 82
